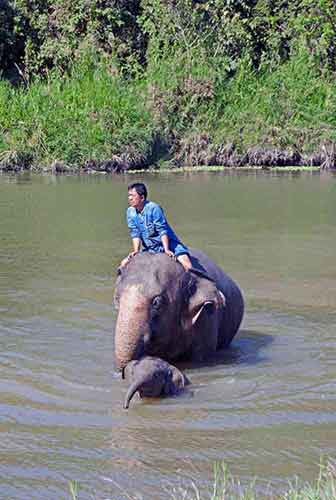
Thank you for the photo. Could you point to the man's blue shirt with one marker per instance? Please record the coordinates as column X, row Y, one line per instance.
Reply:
column 149, row 225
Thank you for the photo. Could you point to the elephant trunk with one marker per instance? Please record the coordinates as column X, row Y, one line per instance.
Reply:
column 132, row 327
column 133, row 388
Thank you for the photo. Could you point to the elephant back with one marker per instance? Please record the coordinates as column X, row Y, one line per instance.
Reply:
column 234, row 309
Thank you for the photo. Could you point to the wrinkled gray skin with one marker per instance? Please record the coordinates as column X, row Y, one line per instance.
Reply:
column 152, row 377
column 166, row 312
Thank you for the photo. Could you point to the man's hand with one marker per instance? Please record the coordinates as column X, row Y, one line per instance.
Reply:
column 126, row 260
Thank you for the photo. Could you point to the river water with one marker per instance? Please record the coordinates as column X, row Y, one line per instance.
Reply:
column 267, row 407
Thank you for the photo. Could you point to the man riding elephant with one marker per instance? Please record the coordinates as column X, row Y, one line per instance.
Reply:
column 170, row 308
column 149, row 228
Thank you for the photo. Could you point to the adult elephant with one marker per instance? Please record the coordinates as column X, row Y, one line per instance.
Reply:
column 167, row 312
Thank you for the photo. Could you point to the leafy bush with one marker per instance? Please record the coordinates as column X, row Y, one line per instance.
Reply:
column 45, row 34
column 7, row 37
column 155, row 79
column 38, row 35
column 88, row 115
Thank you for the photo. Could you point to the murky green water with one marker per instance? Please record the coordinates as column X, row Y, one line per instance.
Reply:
column 268, row 408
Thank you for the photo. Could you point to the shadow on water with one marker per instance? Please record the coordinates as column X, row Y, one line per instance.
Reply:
column 247, row 348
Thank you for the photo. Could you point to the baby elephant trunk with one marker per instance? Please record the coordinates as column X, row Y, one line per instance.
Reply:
column 151, row 384
column 133, row 388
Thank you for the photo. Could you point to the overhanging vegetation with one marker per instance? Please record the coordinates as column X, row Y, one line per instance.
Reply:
column 117, row 85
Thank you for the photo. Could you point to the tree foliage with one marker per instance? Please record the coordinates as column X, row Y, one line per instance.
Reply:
column 38, row 35
column 199, row 80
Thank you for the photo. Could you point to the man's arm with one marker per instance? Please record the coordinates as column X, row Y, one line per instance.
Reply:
column 136, row 242
column 161, row 226
column 135, row 236
column 133, row 230
column 165, row 243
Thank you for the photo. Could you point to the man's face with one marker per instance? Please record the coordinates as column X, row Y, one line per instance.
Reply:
column 135, row 200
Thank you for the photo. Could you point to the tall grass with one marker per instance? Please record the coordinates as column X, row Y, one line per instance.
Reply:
column 293, row 105
column 227, row 487
column 91, row 114
column 94, row 113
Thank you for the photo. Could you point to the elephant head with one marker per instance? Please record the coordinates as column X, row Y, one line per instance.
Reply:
column 152, row 377
column 164, row 311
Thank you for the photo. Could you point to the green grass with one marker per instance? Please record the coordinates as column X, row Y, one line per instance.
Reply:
column 223, row 168
column 94, row 113
column 227, row 487
column 73, row 487
column 293, row 105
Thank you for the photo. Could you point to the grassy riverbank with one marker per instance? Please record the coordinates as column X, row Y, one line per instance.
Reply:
column 90, row 115
column 227, row 487
column 93, row 119
column 152, row 83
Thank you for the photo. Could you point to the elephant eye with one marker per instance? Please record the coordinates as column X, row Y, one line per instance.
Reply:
column 157, row 302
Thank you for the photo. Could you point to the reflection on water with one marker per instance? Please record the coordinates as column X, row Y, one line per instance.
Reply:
column 266, row 406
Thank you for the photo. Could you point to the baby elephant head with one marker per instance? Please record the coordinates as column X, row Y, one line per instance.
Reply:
column 152, row 377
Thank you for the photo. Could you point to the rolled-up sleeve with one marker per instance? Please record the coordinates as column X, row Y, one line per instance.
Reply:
column 132, row 226
column 159, row 220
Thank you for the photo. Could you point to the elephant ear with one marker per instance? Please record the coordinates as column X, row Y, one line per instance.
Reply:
column 188, row 286
column 201, row 301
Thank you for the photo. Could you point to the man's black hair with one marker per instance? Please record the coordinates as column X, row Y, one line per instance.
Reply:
column 139, row 187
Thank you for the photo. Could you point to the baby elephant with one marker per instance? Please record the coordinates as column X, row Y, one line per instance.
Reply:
column 152, row 377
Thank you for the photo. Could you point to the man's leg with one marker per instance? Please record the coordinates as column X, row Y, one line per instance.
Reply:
column 184, row 259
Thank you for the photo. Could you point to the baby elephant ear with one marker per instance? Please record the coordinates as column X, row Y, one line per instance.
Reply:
column 178, row 379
